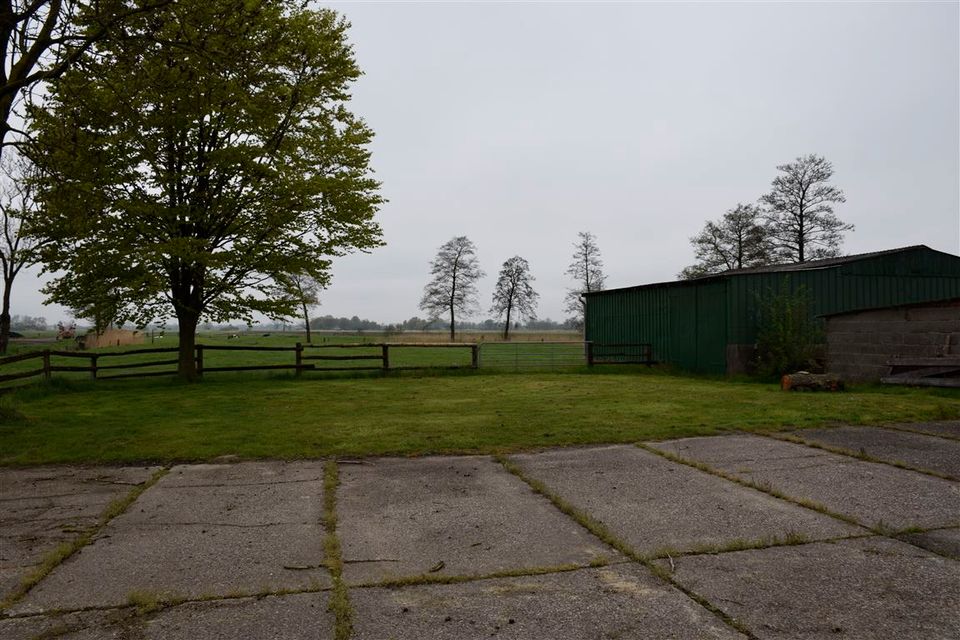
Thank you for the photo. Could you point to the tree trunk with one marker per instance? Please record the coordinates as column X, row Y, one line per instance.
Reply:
column 186, row 358
column 306, row 321
column 801, row 248
column 5, row 316
column 802, row 381
column 452, row 324
column 506, row 327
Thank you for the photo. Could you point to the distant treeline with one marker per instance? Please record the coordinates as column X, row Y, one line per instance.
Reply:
column 28, row 323
column 331, row 323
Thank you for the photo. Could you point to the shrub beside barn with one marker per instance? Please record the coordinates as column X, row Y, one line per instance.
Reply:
column 710, row 324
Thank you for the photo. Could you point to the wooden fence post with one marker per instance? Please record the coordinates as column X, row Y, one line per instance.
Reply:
column 46, row 364
column 199, row 360
column 589, row 346
column 299, row 359
column 386, row 356
column 93, row 366
column 475, row 356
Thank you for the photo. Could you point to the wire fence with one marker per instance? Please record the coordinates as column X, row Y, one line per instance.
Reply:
column 532, row 355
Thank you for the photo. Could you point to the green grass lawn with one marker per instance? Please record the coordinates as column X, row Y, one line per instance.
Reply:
column 283, row 417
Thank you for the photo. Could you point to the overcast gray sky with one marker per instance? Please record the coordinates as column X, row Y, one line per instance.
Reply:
column 519, row 125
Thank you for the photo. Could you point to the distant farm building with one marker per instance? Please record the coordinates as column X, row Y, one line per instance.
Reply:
column 710, row 324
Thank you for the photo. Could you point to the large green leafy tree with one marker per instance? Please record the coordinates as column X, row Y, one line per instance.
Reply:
column 41, row 39
column 198, row 156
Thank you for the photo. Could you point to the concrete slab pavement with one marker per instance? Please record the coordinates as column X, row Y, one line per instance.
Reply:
column 621, row 601
column 920, row 451
column 42, row 507
column 872, row 493
column 216, row 533
column 647, row 501
column 943, row 428
column 946, row 542
column 858, row 589
column 195, row 534
column 450, row 516
column 290, row 617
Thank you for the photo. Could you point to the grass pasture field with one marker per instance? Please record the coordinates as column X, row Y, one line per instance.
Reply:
column 279, row 416
column 497, row 352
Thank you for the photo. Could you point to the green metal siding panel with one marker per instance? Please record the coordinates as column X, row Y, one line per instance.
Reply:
column 683, row 327
column 685, row 324
column 631, row 316
column 711, row 328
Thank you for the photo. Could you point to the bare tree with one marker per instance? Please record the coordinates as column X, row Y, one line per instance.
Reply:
column 586, row 271
column 305, row 289
column 514, row 295
column 18, row 208
column 800, row 216
column 453, row 286
column 737, row 240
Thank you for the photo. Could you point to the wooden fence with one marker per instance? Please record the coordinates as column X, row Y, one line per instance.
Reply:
column 384, row 355
column 311, row 357
column 96, row 368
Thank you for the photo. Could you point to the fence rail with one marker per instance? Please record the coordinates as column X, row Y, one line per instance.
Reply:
column 96, row 369
column 514, row 355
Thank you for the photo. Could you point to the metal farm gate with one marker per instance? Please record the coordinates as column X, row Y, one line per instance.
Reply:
column 555, row 355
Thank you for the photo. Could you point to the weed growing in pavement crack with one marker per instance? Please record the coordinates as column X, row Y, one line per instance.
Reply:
column 604, row 534
column 339, row 598
column 52, row 559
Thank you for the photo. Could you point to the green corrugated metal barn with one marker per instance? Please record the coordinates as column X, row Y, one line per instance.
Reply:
column 709, row 324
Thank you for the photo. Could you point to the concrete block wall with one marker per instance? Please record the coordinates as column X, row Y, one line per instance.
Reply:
column 859, row 344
